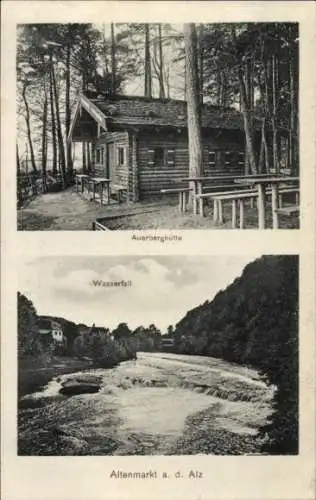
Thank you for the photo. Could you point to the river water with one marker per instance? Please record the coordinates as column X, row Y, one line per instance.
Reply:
column 159, row 404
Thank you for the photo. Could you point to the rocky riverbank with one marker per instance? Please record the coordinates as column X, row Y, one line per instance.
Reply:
column 34, row 376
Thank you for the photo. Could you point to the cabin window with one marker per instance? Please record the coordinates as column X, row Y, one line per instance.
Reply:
column 100, row 156
column 241, row 158
column 170, row 157
column 121, row 156
column 211, row 160
column 151, row 157
column 228, row 157
column 161, row 157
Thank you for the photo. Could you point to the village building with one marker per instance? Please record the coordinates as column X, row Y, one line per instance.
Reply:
column 51, row 330
column 167, row 344
column 90, row 330
column 142, row 144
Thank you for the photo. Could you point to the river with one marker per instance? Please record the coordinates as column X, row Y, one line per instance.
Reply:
column 159, row 404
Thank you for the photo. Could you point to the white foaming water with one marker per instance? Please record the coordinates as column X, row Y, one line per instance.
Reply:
column 50, row 390
column 160, row 410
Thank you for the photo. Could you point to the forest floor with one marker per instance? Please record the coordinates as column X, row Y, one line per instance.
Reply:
column 69, row 211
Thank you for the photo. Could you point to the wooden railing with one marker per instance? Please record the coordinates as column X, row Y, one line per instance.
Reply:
column 33, row 184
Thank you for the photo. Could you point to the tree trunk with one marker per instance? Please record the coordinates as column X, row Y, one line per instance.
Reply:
column 44, row 141
column 222, row 90
column 28, row 128
column 250, row 156
column 218, row 86
column 104, row 51
column 18, row 166
column 53, row 123
column 201, row 61
column 84, row 161
column 68, row 110
column 292, row 117
column 247, row 124
column 193, row 104
column 19, row 180
column 161, row 79
column 265, row 94
column 61, row 148
column 264, row 153
column 148, row 92
column 167, row 81
column 89, row 156
column 276, row 165
column 113, row 60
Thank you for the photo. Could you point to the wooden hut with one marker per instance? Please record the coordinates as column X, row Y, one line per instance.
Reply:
column 142, row 144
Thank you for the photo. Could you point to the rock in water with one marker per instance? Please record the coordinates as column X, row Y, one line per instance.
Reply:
column 80, row 385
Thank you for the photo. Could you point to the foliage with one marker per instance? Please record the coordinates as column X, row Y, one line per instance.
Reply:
column 122, row 331
column 54, row 63
column 29, row 344
column 255, row 322
column 104, row 349
column 147, row 339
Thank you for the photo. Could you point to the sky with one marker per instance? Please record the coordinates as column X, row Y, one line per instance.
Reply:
column 162, row 288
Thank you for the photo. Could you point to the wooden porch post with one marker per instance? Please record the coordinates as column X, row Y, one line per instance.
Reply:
column 93, row 155
column 133, row 178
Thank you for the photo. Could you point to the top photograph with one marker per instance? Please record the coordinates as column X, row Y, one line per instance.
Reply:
column 157, row 126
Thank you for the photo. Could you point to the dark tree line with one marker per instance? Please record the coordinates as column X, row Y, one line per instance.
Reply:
column 255, row 322
column 117, row 345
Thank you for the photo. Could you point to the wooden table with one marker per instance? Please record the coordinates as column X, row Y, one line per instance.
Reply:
column 197, row 184
column 261, row 183
column 104, row 183
column 79, row 180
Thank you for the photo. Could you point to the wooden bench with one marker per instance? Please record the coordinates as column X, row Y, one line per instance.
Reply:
column 223, row 187
column 182, row 196
column 292, row 209
column 216, row 189
column 287, row 211
column 288, row 190
column 240, row 197
column 216, row 197
column 118, row 191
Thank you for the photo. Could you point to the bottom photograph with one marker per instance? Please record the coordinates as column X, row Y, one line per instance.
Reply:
column 159, row 355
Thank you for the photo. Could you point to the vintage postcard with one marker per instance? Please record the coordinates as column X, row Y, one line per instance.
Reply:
column 158, row 215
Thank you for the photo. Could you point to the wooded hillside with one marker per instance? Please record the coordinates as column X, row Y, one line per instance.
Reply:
column 255, row 322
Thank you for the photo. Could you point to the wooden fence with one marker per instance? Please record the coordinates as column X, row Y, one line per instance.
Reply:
column 33, row 184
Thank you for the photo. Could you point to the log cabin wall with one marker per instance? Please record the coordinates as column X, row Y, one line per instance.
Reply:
column 163, row 157
column 133, row 172
column 120, row 172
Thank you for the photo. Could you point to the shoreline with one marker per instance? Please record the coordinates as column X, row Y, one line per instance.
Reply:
column 34, row 379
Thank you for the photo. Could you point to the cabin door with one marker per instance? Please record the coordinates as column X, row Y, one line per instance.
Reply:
column 111, row 161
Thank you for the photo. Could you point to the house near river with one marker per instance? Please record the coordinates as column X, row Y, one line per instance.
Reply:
column 51, row 330
column 142, row 144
